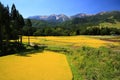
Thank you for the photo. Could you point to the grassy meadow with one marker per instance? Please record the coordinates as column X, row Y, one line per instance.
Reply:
column 65, row 58
column 105, row 24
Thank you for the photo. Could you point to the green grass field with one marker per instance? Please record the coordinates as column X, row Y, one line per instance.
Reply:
column 111, row 25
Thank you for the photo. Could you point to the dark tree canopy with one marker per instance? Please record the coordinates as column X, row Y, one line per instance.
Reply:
column 11, row 24
column 28, row 23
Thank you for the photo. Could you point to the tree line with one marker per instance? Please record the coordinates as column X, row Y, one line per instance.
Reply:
column 11, row 28
column 61, row 31
column 89, row 25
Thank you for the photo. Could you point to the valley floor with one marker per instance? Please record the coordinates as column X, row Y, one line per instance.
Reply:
column 90, row 58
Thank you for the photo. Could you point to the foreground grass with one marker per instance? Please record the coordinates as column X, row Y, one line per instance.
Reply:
column 96, row 64
column 89, row 63
column 46, row 65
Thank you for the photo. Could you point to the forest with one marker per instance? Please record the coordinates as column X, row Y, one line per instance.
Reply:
column 11, row 28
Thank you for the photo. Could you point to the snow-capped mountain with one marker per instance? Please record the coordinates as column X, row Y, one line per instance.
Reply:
column 58, row 18
column 80, row 15
column 53, row 17
column 38, row 17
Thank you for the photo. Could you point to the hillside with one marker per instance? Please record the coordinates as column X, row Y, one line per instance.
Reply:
column 111, row 18
column 107, row 24
column 41, row 23
column 103, row 23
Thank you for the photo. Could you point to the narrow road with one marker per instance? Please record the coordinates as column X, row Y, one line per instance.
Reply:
column 46, row 65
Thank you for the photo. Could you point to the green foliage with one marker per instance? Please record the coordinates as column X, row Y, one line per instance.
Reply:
column 11, row 25
column 12, row 48
column 60, row 31
column 101, row 31
column 28, row 23
column 89, row 63
column 59, row 49
column 96, row 64
column 42, row 24
column 36, row 47
column 90, row 25
column 28, row 29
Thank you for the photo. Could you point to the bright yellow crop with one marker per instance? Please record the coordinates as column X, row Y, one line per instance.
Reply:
column 70, row 40
column 40, row 66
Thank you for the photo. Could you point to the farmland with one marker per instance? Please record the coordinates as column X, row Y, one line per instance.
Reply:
column 65, row 58
column 72, row 41
column 45, row 65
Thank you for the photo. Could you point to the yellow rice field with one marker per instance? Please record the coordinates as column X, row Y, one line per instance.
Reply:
column 70, row 41
column 46, row 65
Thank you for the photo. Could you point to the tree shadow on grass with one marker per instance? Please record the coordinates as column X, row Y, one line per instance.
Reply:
column 25, row 51
column 31, row 50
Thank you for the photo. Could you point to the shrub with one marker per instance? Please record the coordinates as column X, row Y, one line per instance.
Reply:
column 36, row 47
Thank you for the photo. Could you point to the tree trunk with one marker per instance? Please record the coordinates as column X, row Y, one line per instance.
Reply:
column 1, row 39
column 20, row 39
column 28, row 40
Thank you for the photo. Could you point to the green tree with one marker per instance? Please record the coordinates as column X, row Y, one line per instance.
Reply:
column 20, row 26
column 6, row 26
column 14, row 22
column 17, row 22
column 1, row 25
column 11, row 25
column 37, row 33
column 28, row 25
column 13, row 12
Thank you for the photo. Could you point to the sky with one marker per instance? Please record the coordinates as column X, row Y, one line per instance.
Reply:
column 68, row 7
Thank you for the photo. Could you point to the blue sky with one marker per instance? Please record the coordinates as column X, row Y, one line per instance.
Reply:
column 68, row 7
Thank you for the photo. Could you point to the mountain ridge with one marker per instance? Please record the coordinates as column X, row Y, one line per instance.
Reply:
column 58, row 18
column 63, row 17
column 103, row 23
column 112, row 17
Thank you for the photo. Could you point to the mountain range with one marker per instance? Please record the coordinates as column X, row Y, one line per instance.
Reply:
column 58, row 18
column 63, row 17
column 102, row 23
column 111, row 18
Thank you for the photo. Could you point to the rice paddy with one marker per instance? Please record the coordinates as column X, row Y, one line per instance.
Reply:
column 49, row 65
column 46, row 65
column 71, row 41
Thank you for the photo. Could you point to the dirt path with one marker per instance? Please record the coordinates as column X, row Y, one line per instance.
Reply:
column 40, row 66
